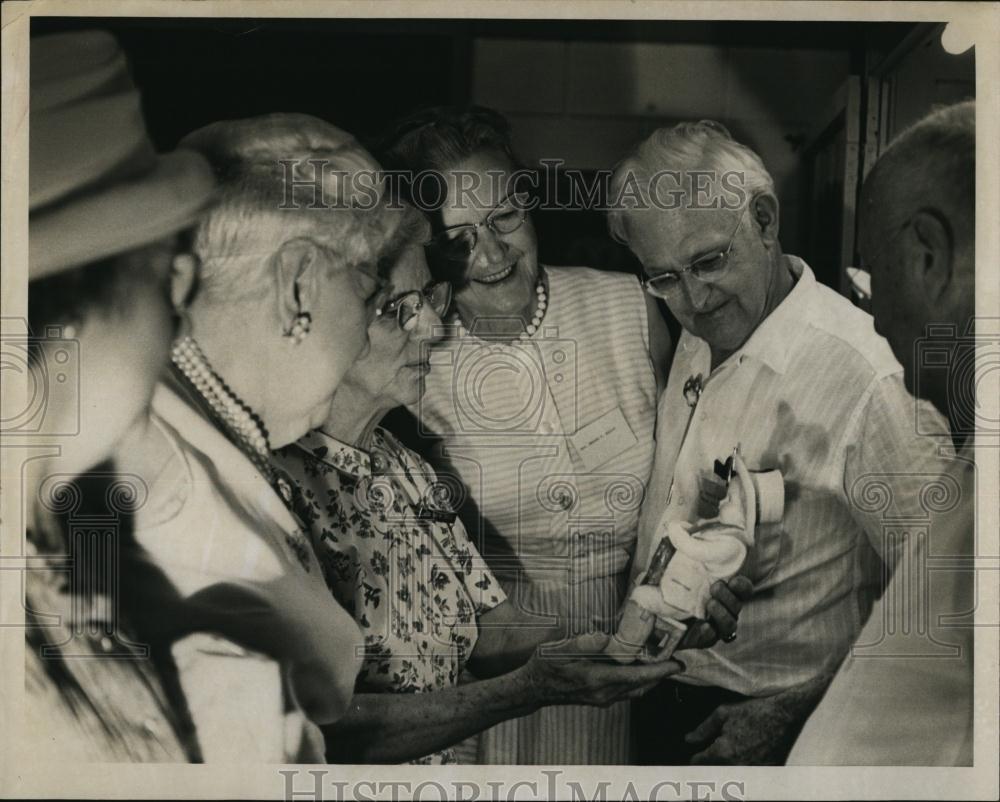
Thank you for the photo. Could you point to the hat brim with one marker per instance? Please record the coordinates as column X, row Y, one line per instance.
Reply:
column 85, row 144
column 123, row 217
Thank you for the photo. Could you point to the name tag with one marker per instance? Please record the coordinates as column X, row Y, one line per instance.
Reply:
column 601, row 441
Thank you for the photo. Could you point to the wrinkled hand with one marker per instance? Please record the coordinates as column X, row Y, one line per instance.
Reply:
column 756, row 732
column 723, row 612
column 576, row 672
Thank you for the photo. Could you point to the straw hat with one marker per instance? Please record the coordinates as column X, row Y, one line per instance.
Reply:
column 97, row 187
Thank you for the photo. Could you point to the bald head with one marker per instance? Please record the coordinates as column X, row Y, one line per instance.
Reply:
column 917, row 237
column 931, row 164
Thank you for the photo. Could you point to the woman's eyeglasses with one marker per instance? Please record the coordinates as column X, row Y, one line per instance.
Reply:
column 406, row 307
column 709, row 268
column 457, row 243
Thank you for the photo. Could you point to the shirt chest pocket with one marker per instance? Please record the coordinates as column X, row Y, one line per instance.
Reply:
column 763, row 558
column 769, row 529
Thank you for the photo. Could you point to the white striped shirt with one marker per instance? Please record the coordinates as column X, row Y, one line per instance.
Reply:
column 556, row 528
column 904, row 695
column 505, row 413
column 816, row 393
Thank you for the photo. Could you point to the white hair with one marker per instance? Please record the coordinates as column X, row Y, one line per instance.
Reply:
column 283, row 176
column 686, row 149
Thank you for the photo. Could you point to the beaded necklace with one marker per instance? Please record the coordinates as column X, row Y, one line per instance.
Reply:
column 541, row 304
column 245, row 428
column 233, row 413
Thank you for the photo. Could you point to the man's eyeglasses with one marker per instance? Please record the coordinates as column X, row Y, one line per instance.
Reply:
column 860, row 278
column 861, row 282
column 457, row 243
column 711, row 267
column 406, row 307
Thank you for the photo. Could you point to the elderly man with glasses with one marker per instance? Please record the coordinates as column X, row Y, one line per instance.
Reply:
column 395, row 554
column 795, row 376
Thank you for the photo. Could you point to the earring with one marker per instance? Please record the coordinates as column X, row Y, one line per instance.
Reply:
column 299, row 328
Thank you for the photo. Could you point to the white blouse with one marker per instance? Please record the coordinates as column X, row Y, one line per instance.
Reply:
column 216, row 528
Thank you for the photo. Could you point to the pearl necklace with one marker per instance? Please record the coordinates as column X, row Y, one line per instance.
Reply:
column 248, row 431
column 233, row 413
column 536, row 319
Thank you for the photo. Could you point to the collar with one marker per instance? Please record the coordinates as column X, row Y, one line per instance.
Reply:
column 339, row 455
column 175, row 406
column 771, row 342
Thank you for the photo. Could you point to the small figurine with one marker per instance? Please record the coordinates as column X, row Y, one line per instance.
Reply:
column 690, row 557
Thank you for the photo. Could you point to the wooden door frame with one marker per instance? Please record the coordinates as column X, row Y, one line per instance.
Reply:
column 843, row 108
column 881, row 91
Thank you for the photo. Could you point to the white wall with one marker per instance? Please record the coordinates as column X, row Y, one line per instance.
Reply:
column 927, row 77
column 589, row 102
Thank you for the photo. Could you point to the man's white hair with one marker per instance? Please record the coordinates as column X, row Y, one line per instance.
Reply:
column 688, row 147
column 283, row 176
column 933, row 162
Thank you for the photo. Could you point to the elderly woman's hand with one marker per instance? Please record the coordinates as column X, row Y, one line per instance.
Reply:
column 723, row 611
column 577, row 672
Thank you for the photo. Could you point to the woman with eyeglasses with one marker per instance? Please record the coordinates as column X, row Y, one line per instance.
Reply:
column 543, row 394
column 396, row 556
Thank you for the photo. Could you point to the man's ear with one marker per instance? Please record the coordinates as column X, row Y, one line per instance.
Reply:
column 298, row 262
column 764, row 211
column 930, row 255
column 183, row 277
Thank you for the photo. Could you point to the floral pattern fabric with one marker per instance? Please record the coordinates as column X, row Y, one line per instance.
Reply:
column 396, row 557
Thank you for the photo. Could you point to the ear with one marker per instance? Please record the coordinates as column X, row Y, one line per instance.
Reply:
column 930, row 255
column 183, row 277
column 764, row 211
column 297, row 263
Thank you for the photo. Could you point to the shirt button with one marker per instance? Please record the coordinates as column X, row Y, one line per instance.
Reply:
column 107, row 646
column 149, row 727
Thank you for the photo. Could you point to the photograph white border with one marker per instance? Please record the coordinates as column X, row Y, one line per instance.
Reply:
column 22, row 775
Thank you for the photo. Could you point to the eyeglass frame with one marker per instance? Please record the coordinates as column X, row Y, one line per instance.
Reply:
column 647, row 283
column 488, row 221
column 396, row 304
column 857, row 275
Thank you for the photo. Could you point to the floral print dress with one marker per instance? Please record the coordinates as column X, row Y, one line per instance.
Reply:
column 396, row 557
